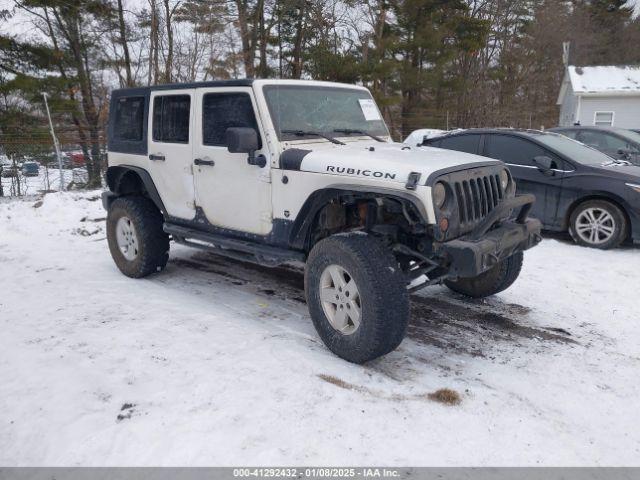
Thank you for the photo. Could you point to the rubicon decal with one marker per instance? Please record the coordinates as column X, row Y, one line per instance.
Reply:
column 363, row 173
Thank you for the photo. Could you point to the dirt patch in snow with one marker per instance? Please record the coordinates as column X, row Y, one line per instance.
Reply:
column 126, row 411
column 341, row 383
column 445, row 396
column 280, row 282
column 207, row 267
column 470, row 327
column 453, row 323
column 86, row 233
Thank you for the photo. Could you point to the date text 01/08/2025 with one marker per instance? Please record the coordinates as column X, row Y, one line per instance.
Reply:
column 316, row 472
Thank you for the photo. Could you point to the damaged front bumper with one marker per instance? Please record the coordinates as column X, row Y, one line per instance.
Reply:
column 487, row 245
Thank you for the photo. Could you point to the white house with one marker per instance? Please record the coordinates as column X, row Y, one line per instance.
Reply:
column 605, row 96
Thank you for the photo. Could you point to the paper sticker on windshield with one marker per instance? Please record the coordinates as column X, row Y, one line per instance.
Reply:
column 369, row 109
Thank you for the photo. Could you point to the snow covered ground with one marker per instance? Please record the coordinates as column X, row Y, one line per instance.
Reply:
column 214, row 362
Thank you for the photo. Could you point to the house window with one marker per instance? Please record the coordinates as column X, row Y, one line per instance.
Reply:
column 603, row 119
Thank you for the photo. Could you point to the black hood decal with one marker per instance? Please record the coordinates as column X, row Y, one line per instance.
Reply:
column 292, row 159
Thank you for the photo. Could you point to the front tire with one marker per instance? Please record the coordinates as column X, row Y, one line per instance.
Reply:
column 598, row 224
column 357, row 296
column 138, row 244
column 495, row 280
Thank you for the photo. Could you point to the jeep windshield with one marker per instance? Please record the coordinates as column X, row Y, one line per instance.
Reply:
column 327, row 111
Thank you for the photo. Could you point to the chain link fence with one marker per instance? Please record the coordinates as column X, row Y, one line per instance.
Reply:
column 27, row 175
column 25, row 170
column 402, row 124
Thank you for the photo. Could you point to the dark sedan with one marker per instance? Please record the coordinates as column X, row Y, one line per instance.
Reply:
column 615, row 142
column 577, row 188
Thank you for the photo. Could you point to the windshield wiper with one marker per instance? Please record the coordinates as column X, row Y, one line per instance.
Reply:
column 615, row 161
column 349, row 131
column 302, row 133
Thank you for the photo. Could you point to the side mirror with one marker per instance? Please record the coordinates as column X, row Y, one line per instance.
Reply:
column 245, row 140
column 545, row 164
column 242, row 140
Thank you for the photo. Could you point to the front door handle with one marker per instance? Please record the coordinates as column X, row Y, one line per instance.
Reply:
column 204, row 161
column 156, row 157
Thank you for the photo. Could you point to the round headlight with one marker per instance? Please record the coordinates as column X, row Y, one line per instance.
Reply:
column 439, row 194
column 504, row 179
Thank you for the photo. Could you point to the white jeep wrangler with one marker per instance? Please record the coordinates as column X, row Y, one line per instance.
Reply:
column 274, row 171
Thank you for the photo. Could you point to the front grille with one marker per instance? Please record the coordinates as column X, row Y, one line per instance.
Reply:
column 476, row 198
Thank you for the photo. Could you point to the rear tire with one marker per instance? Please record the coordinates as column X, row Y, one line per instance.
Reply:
column 357, row 296
column 598, row 224
column 138, row 244
column 495, row 280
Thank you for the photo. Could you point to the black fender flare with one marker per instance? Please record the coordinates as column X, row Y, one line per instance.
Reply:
column 305, row 220
column 116, row 174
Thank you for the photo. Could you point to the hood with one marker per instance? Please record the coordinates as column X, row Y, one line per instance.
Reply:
column 628, row 173
column 417, row 137
column 392, row 162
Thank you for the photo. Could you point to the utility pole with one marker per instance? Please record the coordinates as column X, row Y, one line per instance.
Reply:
column 55, row 142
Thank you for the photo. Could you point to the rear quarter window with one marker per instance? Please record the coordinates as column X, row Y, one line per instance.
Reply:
column 461, row 143
column 128, row 119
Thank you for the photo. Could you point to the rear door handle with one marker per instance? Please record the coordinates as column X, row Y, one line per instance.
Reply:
column 156, row 157
column 204, row 161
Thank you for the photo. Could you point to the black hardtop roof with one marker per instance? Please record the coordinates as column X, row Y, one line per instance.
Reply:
column 125, row 92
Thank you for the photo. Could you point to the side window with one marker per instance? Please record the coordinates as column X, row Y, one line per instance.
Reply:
column 171, row 118
column 226, row 110
column 129, row 115
column 515, row 150
column 462, row 143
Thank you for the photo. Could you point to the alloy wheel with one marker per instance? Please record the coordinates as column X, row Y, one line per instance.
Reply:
column 127, row 238
column 340, row 299
column 595, row 225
